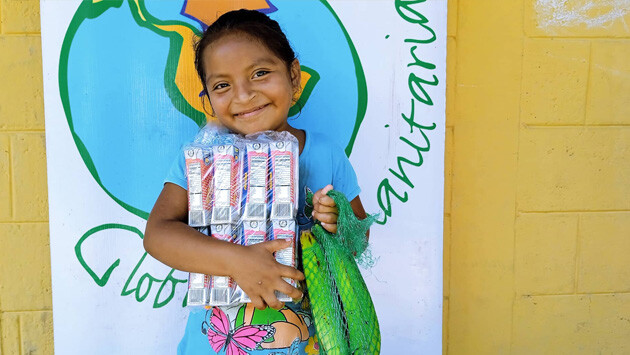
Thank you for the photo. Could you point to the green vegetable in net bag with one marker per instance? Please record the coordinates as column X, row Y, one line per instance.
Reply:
column 344, row 315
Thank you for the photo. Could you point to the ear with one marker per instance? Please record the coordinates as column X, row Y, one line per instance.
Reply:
column 296, row 75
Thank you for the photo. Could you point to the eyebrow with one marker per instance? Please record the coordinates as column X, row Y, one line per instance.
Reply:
column 257, row 62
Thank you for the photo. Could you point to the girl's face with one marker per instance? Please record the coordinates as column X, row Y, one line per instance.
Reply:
column 250, row 88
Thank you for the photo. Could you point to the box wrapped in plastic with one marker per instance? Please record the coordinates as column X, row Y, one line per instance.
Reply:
column 257, row 177
column 223, row 288
column 285, row 229
column 226, row 183
column 248, row 190
column 199, row 285
column 253, row 232
column 284, row 177
column 199, row 176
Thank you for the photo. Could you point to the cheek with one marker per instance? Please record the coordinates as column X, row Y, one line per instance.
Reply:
column 219, row 103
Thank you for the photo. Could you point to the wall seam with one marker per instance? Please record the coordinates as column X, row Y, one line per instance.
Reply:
column 577, row 254
column 578, row 211
column 588, row 82
column 604, row 293
column 25, row 130
column 581, row 38
column 605, row 125
column 11, row 178
column 22, row 34
column 450, row 249
column 29, row 310
column 516, row 209
column 453, row 123
column 601, row 293
column 24, row 222
column 19, row 330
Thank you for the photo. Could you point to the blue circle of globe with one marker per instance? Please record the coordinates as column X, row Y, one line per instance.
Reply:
column 123, row 120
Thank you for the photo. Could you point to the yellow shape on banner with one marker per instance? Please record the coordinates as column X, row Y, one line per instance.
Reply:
column 208, row 11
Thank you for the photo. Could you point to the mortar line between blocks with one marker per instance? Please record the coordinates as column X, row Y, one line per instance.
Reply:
column 577, row 255
column 20, row 333
column 516, row 210
column 22, row 131
column 576, row 211
column 453, row 122
column 601, row 125
column 22, row 34
column 588, row 82
column 11, row 178
column 24, row 222
column 582, row 38
column 29, row 310
column 606, row 293
column 448, row 308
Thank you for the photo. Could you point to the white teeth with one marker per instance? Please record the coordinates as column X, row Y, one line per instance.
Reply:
column 248, row 112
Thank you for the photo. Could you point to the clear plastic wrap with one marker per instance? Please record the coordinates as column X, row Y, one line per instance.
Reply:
column 241, row 190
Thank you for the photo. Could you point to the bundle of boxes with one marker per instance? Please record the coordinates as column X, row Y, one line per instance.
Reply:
column 241, row 190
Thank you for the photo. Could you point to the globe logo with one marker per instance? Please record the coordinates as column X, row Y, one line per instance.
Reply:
column 132, row 98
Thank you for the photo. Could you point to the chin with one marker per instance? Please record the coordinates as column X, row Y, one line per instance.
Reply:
column 250, row 130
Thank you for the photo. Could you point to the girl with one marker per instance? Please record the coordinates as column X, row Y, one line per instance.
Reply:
column 251, row 77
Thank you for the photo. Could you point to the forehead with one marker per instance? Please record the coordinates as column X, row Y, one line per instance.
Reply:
column 236, row 52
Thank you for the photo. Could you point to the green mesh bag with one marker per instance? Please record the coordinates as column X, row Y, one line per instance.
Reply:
column 344, row 315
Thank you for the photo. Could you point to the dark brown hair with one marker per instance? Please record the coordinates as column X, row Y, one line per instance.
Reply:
column 251, row 23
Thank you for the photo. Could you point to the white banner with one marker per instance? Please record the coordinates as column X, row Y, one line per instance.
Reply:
column 120, row 98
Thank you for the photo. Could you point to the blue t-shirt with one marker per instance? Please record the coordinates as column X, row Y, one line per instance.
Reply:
column 322, row 162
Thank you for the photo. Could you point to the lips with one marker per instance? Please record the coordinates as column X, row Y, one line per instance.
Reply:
column 250, row 112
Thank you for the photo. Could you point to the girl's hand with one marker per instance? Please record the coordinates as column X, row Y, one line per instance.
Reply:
column 260, row 275
column 325, row 209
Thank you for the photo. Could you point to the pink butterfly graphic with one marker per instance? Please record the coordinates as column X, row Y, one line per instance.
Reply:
column 234, row 341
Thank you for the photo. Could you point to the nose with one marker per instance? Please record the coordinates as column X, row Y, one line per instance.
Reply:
column 243, row 91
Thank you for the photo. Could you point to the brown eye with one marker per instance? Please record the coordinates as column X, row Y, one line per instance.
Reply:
column 260, row 73
column 220, row 86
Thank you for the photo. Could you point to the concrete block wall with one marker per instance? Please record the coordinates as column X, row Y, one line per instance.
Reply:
column 537, row 234
column 25, row 287
column 537, row 200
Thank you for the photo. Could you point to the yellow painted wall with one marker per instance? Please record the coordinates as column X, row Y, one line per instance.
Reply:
column 25, row 291
column 537, row 243
column 537, row 216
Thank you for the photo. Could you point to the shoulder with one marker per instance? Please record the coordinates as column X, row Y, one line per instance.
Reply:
column 322, row 143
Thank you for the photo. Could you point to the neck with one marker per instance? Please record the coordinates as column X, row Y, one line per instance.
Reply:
column 298, row 133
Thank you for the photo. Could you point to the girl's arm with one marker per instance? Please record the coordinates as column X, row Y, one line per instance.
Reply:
column 170, row 240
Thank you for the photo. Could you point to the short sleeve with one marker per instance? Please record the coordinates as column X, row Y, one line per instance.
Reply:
column 344, row 177
column 175, row 174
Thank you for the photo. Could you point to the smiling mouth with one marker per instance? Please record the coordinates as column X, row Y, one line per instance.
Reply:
column 251, row 112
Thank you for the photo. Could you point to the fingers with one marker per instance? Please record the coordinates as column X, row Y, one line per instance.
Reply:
column 272, row 301
column 290, row 291
column 321, row 194
column 330, row 227
column 275, row 245
column 291, row 272
column 330, row 218
column 258, row 302
column 324, row 208
column 327, row 201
